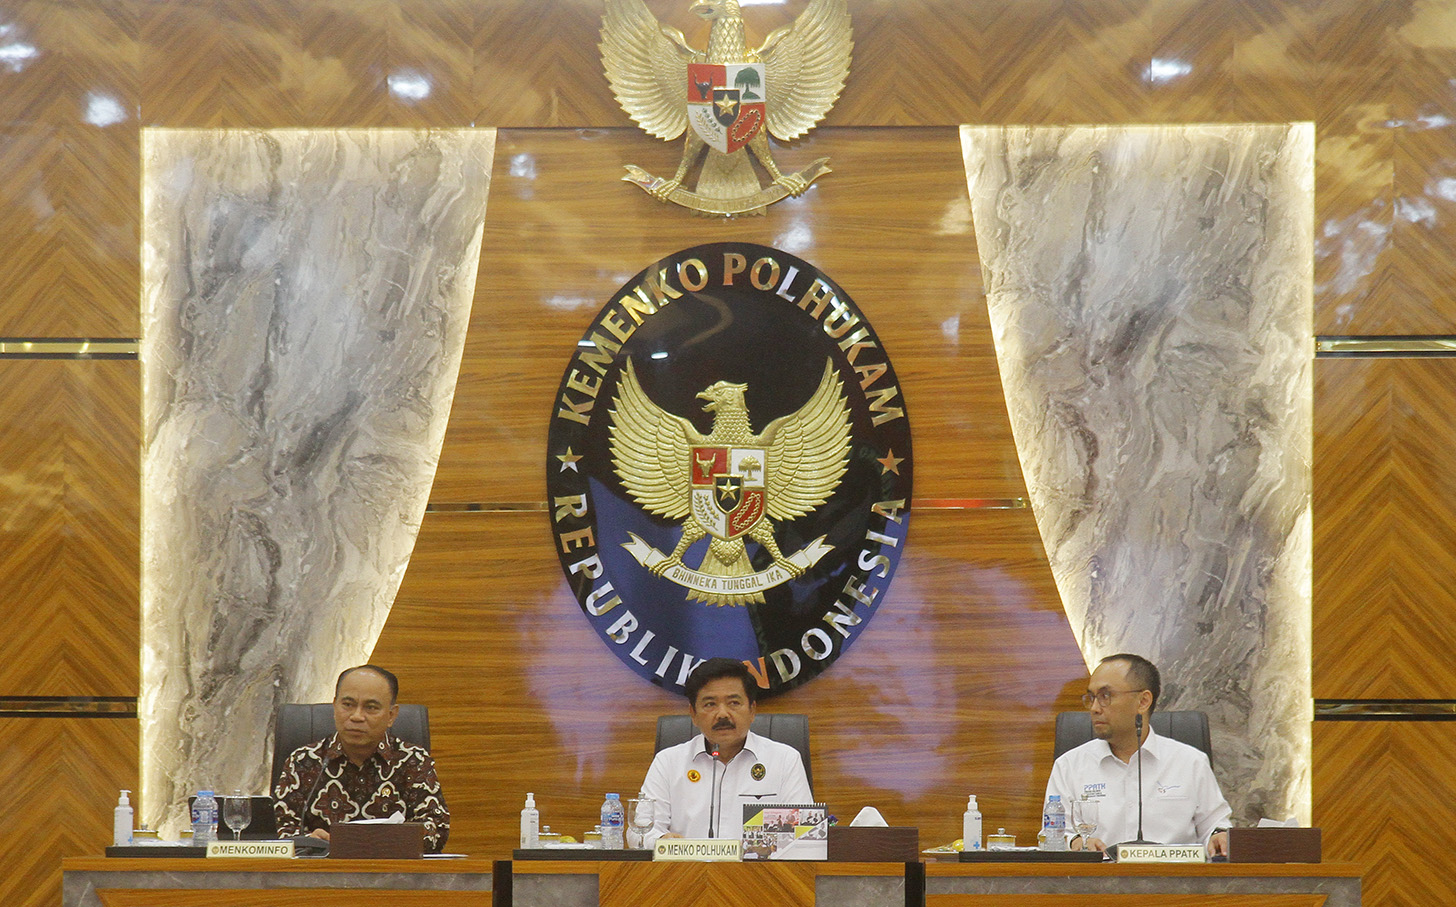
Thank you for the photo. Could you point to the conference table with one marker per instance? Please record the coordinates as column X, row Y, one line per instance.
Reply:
column 122, row 882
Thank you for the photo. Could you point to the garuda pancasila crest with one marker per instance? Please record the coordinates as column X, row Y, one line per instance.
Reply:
column 729, row 484
column 728, row 98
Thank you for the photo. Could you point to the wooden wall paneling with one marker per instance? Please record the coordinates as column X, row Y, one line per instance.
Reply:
column 60, row 781
column 1213, row 62
column 281, row 63
column 951, row 690
column 1379, row 789
column 429, row 65
column 339, row 76
column 69, row 527
column 181, row 45
column 917, row 64
column 537, row 64
column 1355, row 167
column 1384, row 505
column 1061, row 63
column 68, row 207
column 1354, row 277
column 891, row 225
column 70, row 196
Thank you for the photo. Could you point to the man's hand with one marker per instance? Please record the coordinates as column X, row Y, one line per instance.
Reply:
column 319, row 833
column 1096, row 844
column 670, row 834
column 1218, row 844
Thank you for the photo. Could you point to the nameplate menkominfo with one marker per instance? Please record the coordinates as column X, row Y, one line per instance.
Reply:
column 268, row 850
column 700, row 850
column 1162, row 853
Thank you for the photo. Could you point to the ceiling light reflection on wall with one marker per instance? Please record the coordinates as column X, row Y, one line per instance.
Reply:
column 103, row 110
column 15, row 55
column 409, row 85
column 796, row 239
column 523, row 166
column 1166, row 70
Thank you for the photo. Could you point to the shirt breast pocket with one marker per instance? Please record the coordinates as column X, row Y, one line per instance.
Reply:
column 764, row 795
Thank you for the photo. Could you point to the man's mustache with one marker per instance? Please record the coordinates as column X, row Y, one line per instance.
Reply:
column 723, row 724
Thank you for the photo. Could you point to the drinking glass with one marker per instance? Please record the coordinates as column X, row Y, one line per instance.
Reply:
column 1084, row 819
column 643, row 813
column 237, row 812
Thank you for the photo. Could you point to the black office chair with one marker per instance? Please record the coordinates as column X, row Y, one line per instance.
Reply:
column 1075, row 729
column 784, row 728
column 299, row 724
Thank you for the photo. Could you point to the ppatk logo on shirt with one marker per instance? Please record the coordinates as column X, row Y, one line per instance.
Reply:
column 729, row 467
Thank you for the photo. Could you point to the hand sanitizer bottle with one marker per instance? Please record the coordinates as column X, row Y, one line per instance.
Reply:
column 530, row 824
column 971, row 827
column 121, row 823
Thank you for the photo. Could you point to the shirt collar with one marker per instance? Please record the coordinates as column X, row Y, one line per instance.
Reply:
column 1152, row 748
column 386, row 750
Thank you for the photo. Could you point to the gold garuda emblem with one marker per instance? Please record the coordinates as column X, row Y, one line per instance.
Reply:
column 728, row 99
column 730, row 483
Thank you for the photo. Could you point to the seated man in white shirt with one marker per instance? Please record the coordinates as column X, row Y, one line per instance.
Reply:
column 707, row 781
column 1182, row 802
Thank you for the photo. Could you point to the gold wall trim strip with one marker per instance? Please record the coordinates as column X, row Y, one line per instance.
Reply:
column 968, row 504
column 542, row 506
column 68, row 707
column 1385, row 710
column 485, row 507
column 67, row 348
column 1391, row 347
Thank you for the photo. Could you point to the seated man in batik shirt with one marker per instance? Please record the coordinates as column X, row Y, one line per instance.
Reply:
column 361, row 771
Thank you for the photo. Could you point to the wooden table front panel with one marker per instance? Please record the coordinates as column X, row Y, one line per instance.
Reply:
column 305, row 897
column 674, row 884
column 1128, row 900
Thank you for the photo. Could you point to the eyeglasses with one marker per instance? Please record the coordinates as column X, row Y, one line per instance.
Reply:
column 1102, row 697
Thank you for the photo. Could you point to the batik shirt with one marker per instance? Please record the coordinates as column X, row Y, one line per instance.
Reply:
column 319, row 785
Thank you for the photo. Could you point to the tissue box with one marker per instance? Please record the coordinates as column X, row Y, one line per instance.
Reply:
column 873, row 844
column 1274, row 845
column 358, row 841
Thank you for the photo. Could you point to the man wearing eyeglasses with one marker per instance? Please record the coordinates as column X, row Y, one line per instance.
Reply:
column 1182, row 802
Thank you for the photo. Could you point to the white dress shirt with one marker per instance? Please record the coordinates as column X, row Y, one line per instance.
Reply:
column 1182, row 802
column 707, row 797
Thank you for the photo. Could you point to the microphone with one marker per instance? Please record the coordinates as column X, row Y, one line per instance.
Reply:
column 713, row 804
column 1139, row 723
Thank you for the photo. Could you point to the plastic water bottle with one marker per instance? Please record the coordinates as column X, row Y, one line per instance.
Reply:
column 1054, row 824
column 121, row 822
column 614, row 820
column 971, row 827
column 530, row 824
column 204, row 818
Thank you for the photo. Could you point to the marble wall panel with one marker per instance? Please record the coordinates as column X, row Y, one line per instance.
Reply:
column 306, row 296
column 1150, row 294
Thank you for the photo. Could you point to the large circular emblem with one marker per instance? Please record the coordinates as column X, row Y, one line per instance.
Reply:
column 729, row 467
